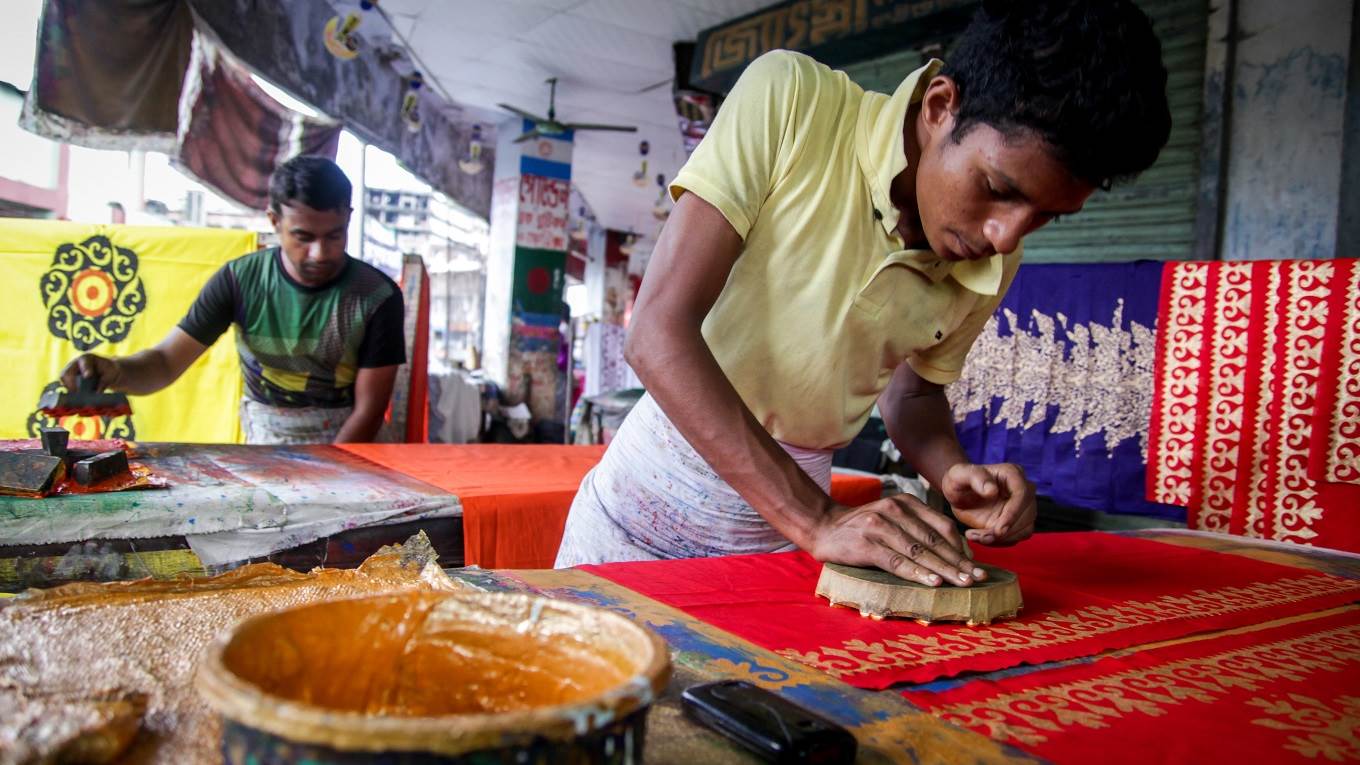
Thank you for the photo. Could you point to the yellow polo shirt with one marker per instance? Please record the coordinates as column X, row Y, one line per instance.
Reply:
column 824, row 301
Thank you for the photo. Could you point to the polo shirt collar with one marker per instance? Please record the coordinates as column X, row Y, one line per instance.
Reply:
column 882, row 157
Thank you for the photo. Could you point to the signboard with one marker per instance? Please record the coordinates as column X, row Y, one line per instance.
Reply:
column 835, row 32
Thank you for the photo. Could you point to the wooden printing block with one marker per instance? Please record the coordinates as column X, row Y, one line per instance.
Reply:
column 94, row 469
column 878, row 595
column 55, row 440
column 28, row 472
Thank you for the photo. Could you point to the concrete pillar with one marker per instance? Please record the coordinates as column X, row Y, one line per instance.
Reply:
column 526, row 268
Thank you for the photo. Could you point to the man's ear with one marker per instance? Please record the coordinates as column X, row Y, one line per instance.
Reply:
column 275, row 219
column 939, row 106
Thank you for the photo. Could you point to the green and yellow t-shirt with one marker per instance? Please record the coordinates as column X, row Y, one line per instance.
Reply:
column 301, row 346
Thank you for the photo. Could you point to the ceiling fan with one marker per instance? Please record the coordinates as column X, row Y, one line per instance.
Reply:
column 550, row 127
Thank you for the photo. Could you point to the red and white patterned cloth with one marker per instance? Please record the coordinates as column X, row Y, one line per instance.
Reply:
column 1254, row 402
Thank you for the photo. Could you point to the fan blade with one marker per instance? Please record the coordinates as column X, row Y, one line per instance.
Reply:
column 588, row 126
column 526, row 115
column 528, row 136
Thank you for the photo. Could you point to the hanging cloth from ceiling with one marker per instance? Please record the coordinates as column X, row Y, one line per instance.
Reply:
column 232, row 134
column 108, row 73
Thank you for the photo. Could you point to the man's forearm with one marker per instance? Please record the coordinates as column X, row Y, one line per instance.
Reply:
column 360, row 427
column 922, row 428
column 144, row 372
column 709, row 413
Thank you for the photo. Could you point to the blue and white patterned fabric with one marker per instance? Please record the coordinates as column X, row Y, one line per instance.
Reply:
column 1060, row 383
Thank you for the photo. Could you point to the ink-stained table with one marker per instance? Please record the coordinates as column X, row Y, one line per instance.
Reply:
column 298, row 505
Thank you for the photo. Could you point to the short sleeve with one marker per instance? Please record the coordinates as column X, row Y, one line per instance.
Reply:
column 733, row 167
column 942, row 363
column 384, row 342
column 213, row 310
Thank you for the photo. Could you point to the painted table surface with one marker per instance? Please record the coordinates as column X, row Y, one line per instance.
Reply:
column 887, row 726
column 234, row 499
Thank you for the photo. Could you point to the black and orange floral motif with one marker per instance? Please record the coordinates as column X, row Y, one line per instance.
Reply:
column 92, row 292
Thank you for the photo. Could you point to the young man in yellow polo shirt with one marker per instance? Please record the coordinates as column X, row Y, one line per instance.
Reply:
column 831, row 249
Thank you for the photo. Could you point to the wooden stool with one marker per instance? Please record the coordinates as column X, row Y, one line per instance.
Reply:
column 878, row 594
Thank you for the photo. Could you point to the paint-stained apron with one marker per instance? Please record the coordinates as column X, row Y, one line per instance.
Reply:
column 265, row 424
column 653, row 496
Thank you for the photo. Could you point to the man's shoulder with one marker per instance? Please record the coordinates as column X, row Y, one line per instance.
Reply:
column 787, row 67
column 253, row 264
column 368, row 279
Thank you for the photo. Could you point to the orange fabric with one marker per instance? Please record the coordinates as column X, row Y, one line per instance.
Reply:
column 515, row 497
column 855, row 490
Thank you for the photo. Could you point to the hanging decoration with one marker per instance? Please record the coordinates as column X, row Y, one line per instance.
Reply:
column 640, row 177
column 340, row 37
column 578, row 228
column 627, row 247
column 471, row 163
column 661, row 210
column 410, row 103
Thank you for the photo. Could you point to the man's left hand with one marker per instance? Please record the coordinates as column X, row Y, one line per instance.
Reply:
column 996, row 502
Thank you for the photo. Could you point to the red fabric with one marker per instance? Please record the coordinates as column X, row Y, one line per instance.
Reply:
column 1238, row 370
column 1335, row 453
column 418, row 406
column 1286, row 693
column 1084, row 593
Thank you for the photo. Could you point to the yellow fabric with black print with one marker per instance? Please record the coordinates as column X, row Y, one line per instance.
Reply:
column 112, row 290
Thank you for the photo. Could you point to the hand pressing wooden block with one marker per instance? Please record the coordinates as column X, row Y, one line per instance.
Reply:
column 94, row 469
column 878, row 595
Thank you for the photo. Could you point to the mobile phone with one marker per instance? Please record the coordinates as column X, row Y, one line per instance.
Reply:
column 769, row 725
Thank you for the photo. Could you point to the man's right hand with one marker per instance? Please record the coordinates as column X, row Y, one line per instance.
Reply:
column 900, row 535
column 105, row 372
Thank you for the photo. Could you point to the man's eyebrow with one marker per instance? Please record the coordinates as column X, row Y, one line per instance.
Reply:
column 1013, row 188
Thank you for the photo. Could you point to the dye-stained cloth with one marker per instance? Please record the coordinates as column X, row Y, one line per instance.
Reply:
column 652, row 496
column 1060, row 382
column 515, row 497
column 1285, row 692
column 232, row 135
column 1242, row 357
column 1084, row 593
column 281, row 425
column 108, row 73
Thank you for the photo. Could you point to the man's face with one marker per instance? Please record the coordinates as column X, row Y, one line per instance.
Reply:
column 982, row 194
column 313, row 242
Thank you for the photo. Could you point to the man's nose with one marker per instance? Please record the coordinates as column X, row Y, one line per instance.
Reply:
column 1003, row 232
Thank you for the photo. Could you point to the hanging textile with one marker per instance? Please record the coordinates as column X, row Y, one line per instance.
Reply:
column 408, row 414
column 108, row 73
column 1335, row 455
column 233, row 134
column 1085, row 593
column 112, row 290
column 1277, row 693
column 1239, row 370
column 1060, row 383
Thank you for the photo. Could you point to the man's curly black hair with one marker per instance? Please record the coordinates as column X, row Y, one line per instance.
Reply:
column 1086, row 76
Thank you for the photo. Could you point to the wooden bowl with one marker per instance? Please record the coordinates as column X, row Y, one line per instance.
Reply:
column 878, row 595
column 435, row 678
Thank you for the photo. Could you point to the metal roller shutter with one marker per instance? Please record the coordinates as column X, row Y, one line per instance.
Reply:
column 1153, row 217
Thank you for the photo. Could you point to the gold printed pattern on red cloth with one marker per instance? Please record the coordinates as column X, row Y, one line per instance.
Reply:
column 1255, row 389
column 1279, row 692
column 1056, row 627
